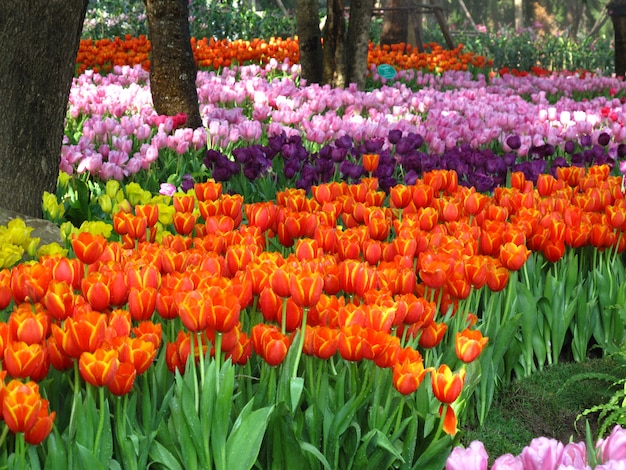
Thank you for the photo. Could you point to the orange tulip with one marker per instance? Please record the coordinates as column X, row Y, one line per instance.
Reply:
column 320, row 341
column 86, row 332
column 42, row 427
column 139, row 352
column 192, row 309
column 432, row 334
column 269, row 343
column 208, row 191
column 513, row 256
column 497, row 276
column 183, row 203
column 469, row 344
column 21, row 403
column 6, row 294
column 408, row 374
column 27, row 325
column 23, row 360
column 98, row 368
column 222, row 308
column 370, row 161
column 352, row 345
column 29, row 282
column 184, row 222
column 88, row 247
column 124, row 379
column 142, row 303
column 433, row 269
column 59, row 300
column 95, row 288
column 306, row 287
column 447, row 386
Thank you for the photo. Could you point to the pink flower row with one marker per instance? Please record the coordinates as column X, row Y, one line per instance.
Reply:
column 243, row 103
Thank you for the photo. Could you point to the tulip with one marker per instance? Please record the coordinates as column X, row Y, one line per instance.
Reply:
column 29, row 281
column 508, row 462
column 321, row 341
column 192, row 309
column 473, row 457
column 27, row 325
column 432, row 334
column 21, row 404
column 6, row 294
column 613, row 447
column 42, row 427
column 447, row 386
column 408, row 375
column 98, row 368
column 142, row 303
column 23, row 360
column 306, row 287
column 542, row 453
column 469, row 344
column 222, row 309
column 352, row 344
column 513, row 256
column 269, row 343
column 85, row 331
column 88, row 247
column 124, row 379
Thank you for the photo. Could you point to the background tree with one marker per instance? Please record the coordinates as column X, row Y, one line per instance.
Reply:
column 344, row 54
column 395, row 27
column 40, row 40
column 173, row 69
column 617, row 12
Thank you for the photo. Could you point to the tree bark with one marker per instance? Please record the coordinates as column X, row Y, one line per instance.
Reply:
column 395, row 24
column 334, row 58
column 309, row 40
column 40, row 40
column 358, row 41
column 172, row 67
column 617, row 12
column 519, row 14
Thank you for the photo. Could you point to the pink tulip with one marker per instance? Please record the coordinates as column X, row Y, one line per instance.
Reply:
column 542, row 454
column 575, row 455
column 473, row 458
column 614, row 446
column 508, row 462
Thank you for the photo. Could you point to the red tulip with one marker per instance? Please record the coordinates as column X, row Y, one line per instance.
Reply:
column 269, row 343
column 408, row 374
column 306, row 287
column 123, row 380
column 513, row 256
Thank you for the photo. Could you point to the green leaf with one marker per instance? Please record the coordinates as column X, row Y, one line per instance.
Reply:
column 222, row 412
column 191, row 418
column 57, row 454
column 182, row 431
column 314, row 451
column 33, row 458
column 243, row 445
column 296, row 385
column 88, row 460
column 105, row 448
column 159, row 454
column 435, row 455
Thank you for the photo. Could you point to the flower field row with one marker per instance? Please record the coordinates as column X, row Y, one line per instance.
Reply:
column 103, row 55
column 402, row 286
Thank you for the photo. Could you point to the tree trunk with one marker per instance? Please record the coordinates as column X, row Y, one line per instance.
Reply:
column 172, row 68
column 334, row 58
column 519, row 14
column 358, row 41
column 309, row 40
column 617, row 12
column 40, row 40
column 395, row 24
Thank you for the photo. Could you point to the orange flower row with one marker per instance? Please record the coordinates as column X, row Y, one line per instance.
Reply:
column 103, row 54
column 438, row 59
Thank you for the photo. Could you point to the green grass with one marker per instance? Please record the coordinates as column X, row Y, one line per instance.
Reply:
column 546, row 404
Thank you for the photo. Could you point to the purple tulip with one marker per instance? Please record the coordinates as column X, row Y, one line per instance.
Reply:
column 473, row 458
column 394, row 136
column 604, row 139
column 614, row 446
column 542, row 454
column 514, row 142
column 569, row 147
column 585, row 140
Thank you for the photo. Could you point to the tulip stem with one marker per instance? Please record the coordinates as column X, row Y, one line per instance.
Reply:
column 218, row 358
column 3, row 436
column 201, row 359
column 96, row 445
column 300, row 342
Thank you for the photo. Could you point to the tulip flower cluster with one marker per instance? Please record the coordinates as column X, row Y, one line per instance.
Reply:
column 547, row 454
column 103, row 55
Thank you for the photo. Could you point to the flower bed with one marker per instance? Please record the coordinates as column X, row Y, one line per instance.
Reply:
column 315, row 279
